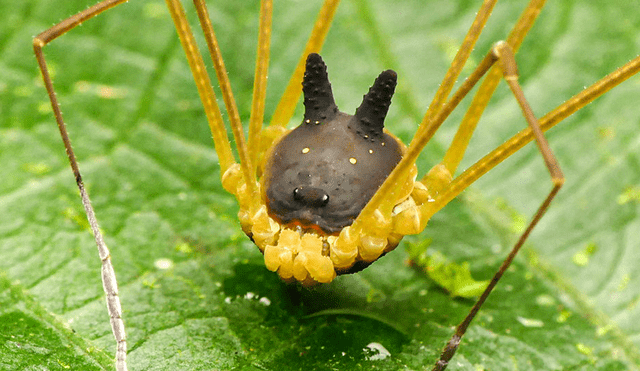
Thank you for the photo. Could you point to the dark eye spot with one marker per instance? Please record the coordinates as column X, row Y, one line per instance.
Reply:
column 310, row 196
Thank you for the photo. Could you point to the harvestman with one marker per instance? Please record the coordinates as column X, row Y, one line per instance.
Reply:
column 298, row 249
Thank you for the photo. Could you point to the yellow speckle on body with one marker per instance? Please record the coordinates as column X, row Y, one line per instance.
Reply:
column 305, row 150
column 353, row 160
column 370, row 151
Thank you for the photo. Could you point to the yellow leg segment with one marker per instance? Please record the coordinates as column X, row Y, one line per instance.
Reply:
column 203, row 83
column 291, row 95
column 460, row 142
column 260, row 80
column 248, row 170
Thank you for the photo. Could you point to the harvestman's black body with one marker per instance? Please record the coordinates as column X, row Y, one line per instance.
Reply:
column 324, row 172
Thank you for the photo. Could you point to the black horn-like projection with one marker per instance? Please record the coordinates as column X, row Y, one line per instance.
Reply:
column 375, row 104
column 321, row 174
column 319, row 104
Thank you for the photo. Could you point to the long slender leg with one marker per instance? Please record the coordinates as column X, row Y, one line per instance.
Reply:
column 109, row 282
column 507, row 149
column 289, row 100
column 248, row 170
column 507, row 64
column 203, row 83
column 470, row 120
column 384, row 198
column 515, row 143
column 458, row 63
column 260, row 79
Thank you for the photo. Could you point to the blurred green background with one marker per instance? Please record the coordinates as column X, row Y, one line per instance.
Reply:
column 570, row 301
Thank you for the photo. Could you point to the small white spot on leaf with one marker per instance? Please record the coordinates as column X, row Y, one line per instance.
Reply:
column 376, row 352
column 528, row 322
column 163, row 263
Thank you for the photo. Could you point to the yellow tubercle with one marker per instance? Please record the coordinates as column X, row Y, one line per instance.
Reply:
column 398, row 191
column 409, row 185
column 319, row 267
column 264, row 229
column 420, row 193
column 344, row 250
column 233, row 182
column 279, row 259
column 245, row 199
column 310, row 264
column 377, row 225
column 299, row 270
column 371, row 247
column 290, row 239
column 393, row 241
column 245, row 221
column 286, row 268
column 407, row 221
column 232, row 178
column 299, row 258
column 272, row 257
column 437, row 179
column 311, row 243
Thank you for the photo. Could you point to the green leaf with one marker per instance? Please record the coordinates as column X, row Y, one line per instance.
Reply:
column 195, row 292
column 455, row 278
